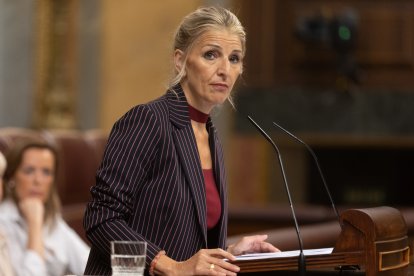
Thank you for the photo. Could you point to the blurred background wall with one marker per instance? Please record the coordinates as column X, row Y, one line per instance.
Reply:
column 82, row 64
column 340, row 74
column 16, row 61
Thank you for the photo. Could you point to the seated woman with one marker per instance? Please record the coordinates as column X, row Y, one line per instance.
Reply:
column 2, row 169
column 39, row 241
column 5, row 268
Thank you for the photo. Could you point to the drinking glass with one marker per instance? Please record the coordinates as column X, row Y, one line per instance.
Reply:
column 128, row 258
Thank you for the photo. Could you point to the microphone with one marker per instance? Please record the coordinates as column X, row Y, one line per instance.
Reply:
column 301, row 259
column 317, row 165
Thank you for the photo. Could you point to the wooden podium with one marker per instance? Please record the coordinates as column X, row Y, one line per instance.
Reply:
column 374, row 239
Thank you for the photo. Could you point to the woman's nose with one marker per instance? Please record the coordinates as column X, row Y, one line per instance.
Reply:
column 224, row 67
column 38, row 176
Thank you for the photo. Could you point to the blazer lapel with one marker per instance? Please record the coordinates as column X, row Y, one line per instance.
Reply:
column 188, row 153
column 220, row 177
column 217, row 166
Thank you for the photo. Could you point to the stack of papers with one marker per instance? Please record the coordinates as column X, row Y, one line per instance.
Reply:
column 284, row 254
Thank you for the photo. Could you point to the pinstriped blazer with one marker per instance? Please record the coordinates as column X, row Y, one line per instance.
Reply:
column 150, row 185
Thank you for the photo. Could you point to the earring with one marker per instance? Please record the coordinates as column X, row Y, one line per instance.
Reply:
column 11, row 184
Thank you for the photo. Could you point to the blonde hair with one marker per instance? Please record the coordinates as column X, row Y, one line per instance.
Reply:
column 197, row 23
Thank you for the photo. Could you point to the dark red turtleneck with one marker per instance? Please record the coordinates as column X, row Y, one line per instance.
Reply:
column 197, row 115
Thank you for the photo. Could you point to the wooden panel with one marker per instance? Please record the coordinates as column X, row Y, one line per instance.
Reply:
column 259, row 20
column 276, row 56
column 247, row 173
column 386, row 37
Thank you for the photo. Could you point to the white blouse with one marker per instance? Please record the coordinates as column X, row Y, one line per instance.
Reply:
column 65, row 251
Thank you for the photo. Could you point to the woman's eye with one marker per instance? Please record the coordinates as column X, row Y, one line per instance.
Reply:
column 234, row 59
column 27, row 170
column 210, row 55
column 47, row 172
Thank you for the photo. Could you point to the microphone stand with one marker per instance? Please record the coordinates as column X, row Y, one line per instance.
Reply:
column 301, row 258
column 317, row 165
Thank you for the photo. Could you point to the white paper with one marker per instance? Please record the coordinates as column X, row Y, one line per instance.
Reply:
column 284, row 254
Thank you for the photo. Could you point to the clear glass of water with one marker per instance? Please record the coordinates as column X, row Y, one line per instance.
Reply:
column 128, row 258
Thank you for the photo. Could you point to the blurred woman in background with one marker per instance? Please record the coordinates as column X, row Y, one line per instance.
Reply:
column 39, row 242
column 5, row 267
column 2, row 169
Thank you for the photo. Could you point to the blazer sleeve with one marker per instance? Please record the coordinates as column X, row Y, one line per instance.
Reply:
column 131, row 149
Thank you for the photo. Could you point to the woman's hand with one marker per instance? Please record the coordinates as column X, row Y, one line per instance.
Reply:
column 251, row 244
column 33, row 210
column 205, row 262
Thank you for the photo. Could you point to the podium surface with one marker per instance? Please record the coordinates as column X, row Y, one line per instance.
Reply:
column 373, row 239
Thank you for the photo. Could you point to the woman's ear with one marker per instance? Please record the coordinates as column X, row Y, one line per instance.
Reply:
column 178, row 60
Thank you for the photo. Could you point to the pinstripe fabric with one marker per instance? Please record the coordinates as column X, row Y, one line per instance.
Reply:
column 150, row 185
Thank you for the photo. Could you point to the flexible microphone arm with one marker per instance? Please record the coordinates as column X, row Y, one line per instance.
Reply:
column 301, row 259
column 317, row 165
